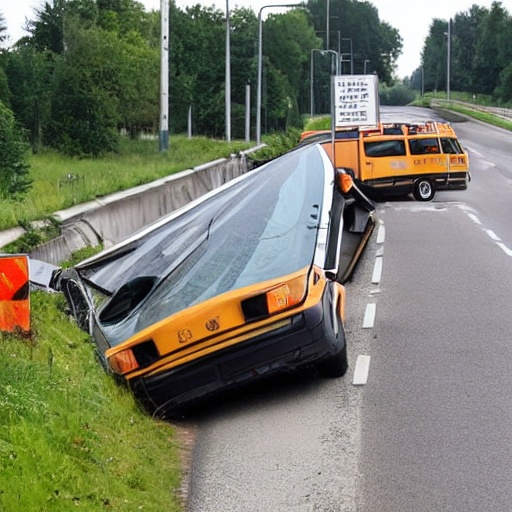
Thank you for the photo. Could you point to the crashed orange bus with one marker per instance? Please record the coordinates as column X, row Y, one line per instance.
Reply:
column 397, row 159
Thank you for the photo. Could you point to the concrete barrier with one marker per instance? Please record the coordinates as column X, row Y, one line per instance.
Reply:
column 113, row 218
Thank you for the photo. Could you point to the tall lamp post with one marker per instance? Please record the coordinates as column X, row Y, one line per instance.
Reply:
column 327, row 24
column 164, row 76
column 448, row 48
column 323, row 52
column 260, row 42
column 228, row 76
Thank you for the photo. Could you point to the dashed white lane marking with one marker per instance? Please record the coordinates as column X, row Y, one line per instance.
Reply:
column 493, row 235
column 504, row 248
column 381, row 234
column 489, row 232
column 369, row 316
column 377, row 270
column 361, row 370
column 474, row 218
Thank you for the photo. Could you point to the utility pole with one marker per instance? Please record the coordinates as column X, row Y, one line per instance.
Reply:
column 164, row 75
column 448, row 48
column 228, row 76
column 327, row 23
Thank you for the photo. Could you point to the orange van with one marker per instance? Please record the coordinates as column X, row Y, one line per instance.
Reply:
column 397, row 159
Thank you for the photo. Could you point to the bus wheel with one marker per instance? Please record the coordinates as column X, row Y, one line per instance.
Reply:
column 423, row 190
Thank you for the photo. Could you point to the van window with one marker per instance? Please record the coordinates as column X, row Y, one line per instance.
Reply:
column 385, row 148
column 423, row 146
column 451, row 146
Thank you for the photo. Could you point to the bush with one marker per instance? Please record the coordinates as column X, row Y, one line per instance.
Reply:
column 14, row 169
column 398, row 95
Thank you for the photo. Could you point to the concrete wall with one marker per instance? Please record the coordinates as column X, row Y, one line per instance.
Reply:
column 113, row 218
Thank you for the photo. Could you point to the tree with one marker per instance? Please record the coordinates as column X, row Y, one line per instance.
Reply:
column 466, row 30
column 30, row 82
column 488, row 58
column 84, row 103
column 197, row 71
column 244, row 34
column 288, row 40
column 434, row 56
column 3, row 29
column 371, row 39
column 14, row 169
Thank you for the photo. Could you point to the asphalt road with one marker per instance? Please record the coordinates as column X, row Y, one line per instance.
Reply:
column 431, row 429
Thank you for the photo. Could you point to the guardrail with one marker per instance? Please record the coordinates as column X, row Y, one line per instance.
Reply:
column 497, row 111
column 113, row 218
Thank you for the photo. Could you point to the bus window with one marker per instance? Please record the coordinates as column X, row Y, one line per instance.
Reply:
column 424, row 146
column 451, row 146
column 385, row 148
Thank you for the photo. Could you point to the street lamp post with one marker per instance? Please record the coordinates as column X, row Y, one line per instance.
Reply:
column 364, row 66
column 327, row 25
column 448, row 45
column 164, row 76
column 260, row 42
column 228, row 76
column 323, row 52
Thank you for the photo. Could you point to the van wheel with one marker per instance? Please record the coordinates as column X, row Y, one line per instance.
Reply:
column 424, row 190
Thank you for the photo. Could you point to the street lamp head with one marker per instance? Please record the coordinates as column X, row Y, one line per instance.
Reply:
column 301, row 5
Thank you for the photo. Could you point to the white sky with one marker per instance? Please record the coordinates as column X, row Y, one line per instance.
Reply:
column 411, row 17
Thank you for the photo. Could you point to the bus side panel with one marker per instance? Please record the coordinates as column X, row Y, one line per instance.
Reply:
column 429, row 164
column 347, row 155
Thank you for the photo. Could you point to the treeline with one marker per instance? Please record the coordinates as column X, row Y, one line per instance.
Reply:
column 89, row 69
column 480, row 53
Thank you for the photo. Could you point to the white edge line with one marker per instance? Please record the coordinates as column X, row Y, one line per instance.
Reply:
column 377, row 270
column 369, row 316
column 361, row 370
column 474, row 218
column 504, row 248
column 493, row 235
column 381, row 235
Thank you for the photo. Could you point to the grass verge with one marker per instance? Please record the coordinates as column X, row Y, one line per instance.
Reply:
column 61, row 182
column 70, row 437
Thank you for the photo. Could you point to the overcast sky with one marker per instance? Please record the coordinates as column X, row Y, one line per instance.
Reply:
column 412, row 18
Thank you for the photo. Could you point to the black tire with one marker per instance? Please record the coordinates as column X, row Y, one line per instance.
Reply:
column 424, row 190
column 334, row 366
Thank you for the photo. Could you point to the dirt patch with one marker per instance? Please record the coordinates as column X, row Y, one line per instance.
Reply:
column 448, row 115
column 186, row 436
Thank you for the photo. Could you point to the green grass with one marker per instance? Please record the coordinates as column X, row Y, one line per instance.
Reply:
column 60, row 182
column 70, row 438
column 318, row 123
column 481, row 116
